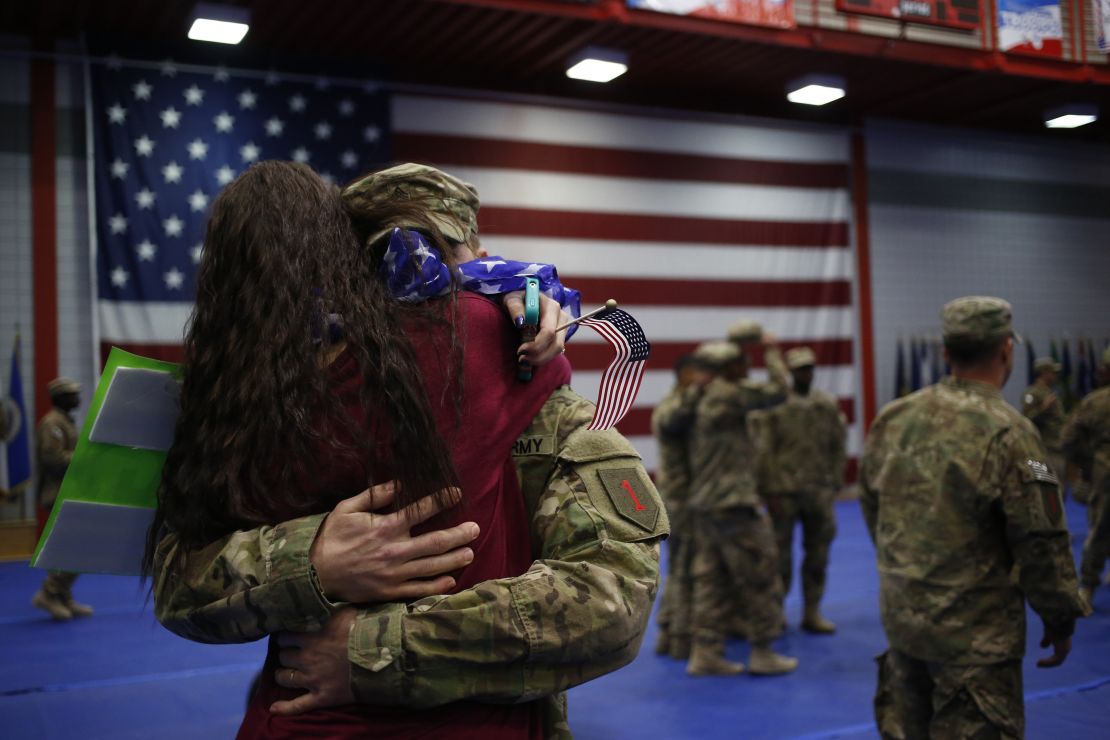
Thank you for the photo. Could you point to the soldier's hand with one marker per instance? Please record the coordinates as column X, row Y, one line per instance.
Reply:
column 363, row 557
column 548, row 343
column 1049, row 400
column 317, row 663
column 1060, row 650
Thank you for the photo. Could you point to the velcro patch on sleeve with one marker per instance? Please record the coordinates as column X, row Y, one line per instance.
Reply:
column 1042, row 472
column 630, row 497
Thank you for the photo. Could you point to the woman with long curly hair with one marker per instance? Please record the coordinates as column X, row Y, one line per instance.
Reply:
column 305, row 382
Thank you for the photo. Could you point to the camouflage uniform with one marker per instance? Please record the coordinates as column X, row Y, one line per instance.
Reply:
column 1049, row 421
column 579, row 612
column 1086, row 441
column 968, row 523
column 672, row 422
column 801, row 469
column 55, row 440
column 736, row 543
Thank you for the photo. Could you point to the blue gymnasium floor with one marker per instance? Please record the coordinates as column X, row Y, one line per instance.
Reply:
column 119, row 675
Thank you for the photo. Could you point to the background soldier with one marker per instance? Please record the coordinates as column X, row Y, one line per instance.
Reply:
column 801, row 470
column 10, row 421
column 735, row 548
column 957, row 496
column 1086, row 442
column 671, row 423
column 1041, row 406
column 55, row 440
column 748, row 335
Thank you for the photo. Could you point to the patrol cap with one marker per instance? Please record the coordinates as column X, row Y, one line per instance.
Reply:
column 745, row 330
column 1046, row 363
column 61, row 386
column 978, row 319
column 450, row 203
column 717, row 354
column 800, row 357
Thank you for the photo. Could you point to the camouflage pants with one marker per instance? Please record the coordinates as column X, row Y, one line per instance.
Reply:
column 1096, row 549
column 735, row 550
column 59, row 585
column 814, row 509
column 676, row 601
column 919, row 700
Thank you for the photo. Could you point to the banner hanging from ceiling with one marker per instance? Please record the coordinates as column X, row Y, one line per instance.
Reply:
column 1031, row 27
column 950, row 13
column 774, row 13
column 1102, row 24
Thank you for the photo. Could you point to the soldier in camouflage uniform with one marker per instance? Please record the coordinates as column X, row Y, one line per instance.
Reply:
column 55, row 440
column 968, row 524
column 801, row 469
column 735, row 548
column 579, row 612
column 671, row 423
column 1041, row 406
column 1086, row 442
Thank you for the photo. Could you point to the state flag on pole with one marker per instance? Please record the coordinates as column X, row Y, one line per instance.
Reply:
column 19, row 448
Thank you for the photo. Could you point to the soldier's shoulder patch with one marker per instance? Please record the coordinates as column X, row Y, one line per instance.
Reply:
column 630, row 496
column 534, row 445
column 1050, row 493
column 1029, row 398
column 1041, row 471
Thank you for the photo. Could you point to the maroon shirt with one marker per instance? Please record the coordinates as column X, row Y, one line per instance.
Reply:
column 496, row 409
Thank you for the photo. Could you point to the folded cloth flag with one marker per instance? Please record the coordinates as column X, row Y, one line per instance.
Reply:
column 415, row 272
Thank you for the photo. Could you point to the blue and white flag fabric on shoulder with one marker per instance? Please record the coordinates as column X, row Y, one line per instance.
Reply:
column 415, row 272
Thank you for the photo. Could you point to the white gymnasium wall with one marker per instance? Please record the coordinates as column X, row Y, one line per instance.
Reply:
column 957, row 212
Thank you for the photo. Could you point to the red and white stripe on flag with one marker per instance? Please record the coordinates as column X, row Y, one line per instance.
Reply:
column 689, row 224
column 621, row 380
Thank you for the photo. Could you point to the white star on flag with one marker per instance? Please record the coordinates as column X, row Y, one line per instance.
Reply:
column 171, row 117
column 118, row 223
column 224, row 175
column 197, row 149
column 174, row 279
column 145, row 198
column 531, row 269
column 221, row 74
column 194, row 95
column 224, row 122
column 274, row 126
column 172, row 172
column 119, row 277
column 196, row 253
column 247, row 99
column 117, row 113
column 490, row 264
column 168, row 68
column 297, row 103
column 489, row 288
column 322, row 130
column 249, row 152
column 142, row 90
column 300, row 154
column 119, row 168
column 144, row 146
column 173, row 226
column 371, row 134
column 146, row 250
column 349, row 159
column 346, row 106
column 198, row 201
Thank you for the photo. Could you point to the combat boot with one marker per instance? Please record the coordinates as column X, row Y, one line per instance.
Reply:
column 706, row 661
column 78, row 609
column 1087, row 593
column 52, row 604
column 662, row 643
column 813, row 621
column 766, row 662
column 680, row 648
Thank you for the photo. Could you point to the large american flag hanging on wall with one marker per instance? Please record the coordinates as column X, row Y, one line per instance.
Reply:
column 689, row 224
column 167, row 140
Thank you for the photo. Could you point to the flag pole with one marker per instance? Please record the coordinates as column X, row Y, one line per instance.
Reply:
column 609, row 304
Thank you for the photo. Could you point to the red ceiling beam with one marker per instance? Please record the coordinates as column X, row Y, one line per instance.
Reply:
column 816, row 39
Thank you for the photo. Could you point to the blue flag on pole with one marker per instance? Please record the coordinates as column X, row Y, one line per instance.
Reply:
column 19, row 449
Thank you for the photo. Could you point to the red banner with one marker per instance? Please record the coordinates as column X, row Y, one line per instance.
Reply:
column 949, row 13
column 774, row 13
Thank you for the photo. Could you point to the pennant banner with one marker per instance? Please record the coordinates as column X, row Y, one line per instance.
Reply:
column 774, row 13
column 1031, row 27
column 950, row 13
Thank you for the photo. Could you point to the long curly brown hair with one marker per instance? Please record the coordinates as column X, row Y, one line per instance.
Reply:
column 280, row 257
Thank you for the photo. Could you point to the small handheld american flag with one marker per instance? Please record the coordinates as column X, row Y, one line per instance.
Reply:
column 621, row 381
